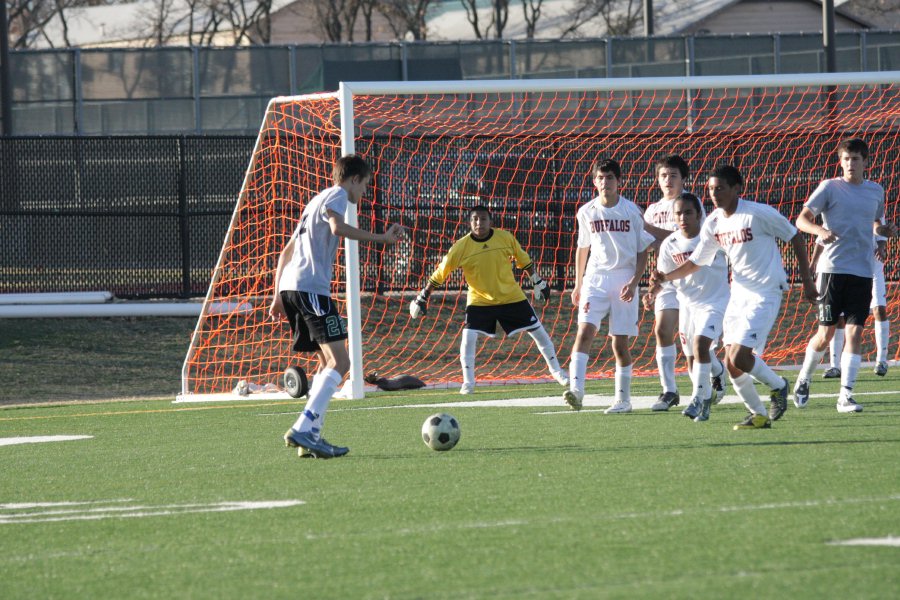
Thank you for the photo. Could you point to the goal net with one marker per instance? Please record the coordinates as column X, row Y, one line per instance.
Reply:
column 523, row 148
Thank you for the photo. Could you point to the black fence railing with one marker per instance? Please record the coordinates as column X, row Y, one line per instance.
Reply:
column 138, row 216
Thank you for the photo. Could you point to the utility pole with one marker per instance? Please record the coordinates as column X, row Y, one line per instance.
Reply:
column 648, row 18
column 5, row 91
column 828, row 36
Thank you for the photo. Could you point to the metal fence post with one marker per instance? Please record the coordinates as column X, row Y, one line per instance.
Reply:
column 184, row 229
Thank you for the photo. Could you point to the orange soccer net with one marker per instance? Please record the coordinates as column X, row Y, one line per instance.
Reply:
column 527, row 156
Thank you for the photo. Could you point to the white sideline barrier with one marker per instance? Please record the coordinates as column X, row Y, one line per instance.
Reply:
column 56, row 298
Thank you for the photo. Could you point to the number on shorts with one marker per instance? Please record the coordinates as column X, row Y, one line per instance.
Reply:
column 825, row 313
column 334, row 326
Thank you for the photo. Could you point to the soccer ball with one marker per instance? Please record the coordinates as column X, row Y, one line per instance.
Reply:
column 440, row 432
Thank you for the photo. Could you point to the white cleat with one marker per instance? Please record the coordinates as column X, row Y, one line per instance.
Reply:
column 467, row 388
column 848, row 405
column 618, row 408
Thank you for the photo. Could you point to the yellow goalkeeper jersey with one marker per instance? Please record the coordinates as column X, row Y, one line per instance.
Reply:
column 487, row 267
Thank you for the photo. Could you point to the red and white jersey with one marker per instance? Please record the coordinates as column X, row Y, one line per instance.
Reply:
column 748, row 238
column 615, row 235
column 703, row 289
column 662, row 214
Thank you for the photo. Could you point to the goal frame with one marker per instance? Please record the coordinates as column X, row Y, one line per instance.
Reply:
column 354, row 387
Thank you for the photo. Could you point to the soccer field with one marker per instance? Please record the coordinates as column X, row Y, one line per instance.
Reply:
column 173, row 501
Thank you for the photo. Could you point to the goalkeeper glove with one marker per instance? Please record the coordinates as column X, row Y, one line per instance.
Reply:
column 540, row 291
column 418, row 307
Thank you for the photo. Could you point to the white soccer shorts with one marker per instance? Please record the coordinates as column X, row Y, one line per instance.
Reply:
column 600, row 297
column 750, row 316
column 667, row 298
column 699, row 320
column 879, row 289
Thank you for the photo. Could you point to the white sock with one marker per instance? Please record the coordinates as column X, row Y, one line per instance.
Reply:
column 717, row 369
column 849, row 369
column 763, row 374
column 836, row 346
column 700, row 375
column 578, row 371
column 746, row 391
column 665, row 362
column 545, row 346
column 467, row 355
column 882, row 337
column 810, row 361
column 623, row 383
column 327, row 382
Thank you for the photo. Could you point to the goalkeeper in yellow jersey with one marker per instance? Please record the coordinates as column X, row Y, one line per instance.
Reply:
column 485, row 256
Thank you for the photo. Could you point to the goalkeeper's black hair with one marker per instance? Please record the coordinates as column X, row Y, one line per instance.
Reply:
column 480, row 208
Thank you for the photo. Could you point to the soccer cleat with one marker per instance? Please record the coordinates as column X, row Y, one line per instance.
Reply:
column 779, row 398
column 694, row 408
column 621, row 407
column 846, row 404
column 831, row 373
column 467, row 388
column 801, row 393
column 704, row 410
column 754, row 421
column 718, row 386
column 573, row 398
column 561, row 378
column 881, row 368
column 305, row 441
column 666, row 401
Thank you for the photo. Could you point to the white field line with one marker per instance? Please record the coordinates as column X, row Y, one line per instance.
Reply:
column 701, row 511
column 131, row 511
column 885, row 541
column 590, row 400
column 40, row 439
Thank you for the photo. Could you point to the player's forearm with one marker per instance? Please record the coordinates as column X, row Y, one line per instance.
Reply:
column 355, row 233
column 581, row 257
column 658, row 232
column 799, row 248
column 639, row 268
column 682, row 271
column 807, row 224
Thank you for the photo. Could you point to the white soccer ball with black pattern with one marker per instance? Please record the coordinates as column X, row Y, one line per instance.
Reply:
column 440, row 432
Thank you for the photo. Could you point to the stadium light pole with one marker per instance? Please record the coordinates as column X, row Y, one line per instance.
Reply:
column 5, row 92
column 828, row 36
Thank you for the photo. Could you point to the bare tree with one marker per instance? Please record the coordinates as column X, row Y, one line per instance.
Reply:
column 532, row 11
column 406, row 16
column 28, row 21
column 621, row 17
column 496, row 24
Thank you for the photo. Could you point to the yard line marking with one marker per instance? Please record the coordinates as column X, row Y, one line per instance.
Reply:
column 885, row 541
column 24, row 505
column 139, row 511
column 40, row 439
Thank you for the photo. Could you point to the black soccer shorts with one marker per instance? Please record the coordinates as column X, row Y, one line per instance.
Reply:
column 314, row 320
column 513, row 318
column 840, row 293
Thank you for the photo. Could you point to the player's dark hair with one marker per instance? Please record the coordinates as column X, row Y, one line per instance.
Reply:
column 606, row 165
column 692, row 200
column 673, row 161
column 854, row 146
column 729, row 173
column 352, row 165
column 480, row 208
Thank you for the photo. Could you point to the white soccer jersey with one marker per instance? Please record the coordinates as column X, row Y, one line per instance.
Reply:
column 847, row 209
column 614, row 234
column 311, row 266
column 748, row 238
column 706, row 288
column 662, row 214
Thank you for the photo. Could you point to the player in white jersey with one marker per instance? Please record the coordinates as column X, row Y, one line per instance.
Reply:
column 659, row 220
column 748, row 232
column 610, row 258
column 852, row 209
column 702, row 298
column 302, row 295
